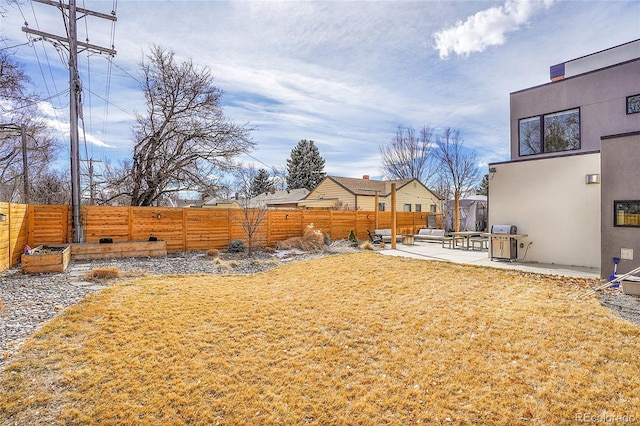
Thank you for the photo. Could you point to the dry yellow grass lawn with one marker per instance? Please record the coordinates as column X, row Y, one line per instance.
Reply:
column 351, row 339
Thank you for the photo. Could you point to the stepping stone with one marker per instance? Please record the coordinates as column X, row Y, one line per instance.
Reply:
column 82, row 283
column 97, row 287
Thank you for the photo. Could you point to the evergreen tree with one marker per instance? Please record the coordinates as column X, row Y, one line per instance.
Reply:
column 483, row 188
column 261, row 183
column 305, row 167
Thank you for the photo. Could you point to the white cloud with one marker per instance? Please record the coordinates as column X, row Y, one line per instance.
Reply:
column 55, row 123
column 487, row 27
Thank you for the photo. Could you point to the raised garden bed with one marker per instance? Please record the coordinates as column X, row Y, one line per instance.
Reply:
column 119, row 249
column 46, row 258
column 631, row 287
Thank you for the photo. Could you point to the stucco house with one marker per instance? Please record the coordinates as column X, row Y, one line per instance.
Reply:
column 335, row 192
column 571, row 184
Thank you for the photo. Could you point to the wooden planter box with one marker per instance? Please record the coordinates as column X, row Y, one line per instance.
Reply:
column 119, row 249
column 43, row 259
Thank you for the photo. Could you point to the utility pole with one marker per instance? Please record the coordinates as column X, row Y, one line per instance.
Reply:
column 92, row 183
column 25, row 169
column 75, row 88
column 74, row 91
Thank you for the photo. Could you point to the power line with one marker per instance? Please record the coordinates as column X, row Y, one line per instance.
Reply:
column 114, row 105
column 17, row 45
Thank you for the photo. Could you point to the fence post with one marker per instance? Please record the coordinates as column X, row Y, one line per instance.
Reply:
column 30, row 224
column 130, row 223
column 228, row 226
column 184, row 229
column 269, row 235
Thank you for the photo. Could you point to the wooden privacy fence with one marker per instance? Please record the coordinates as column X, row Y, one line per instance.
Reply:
column 183, row 229
column 13, row 233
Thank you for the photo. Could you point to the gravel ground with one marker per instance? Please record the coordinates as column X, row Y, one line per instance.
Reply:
column 31, row 300
column 628, row 307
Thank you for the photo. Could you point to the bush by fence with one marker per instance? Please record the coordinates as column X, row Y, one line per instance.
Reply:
column 183, row 229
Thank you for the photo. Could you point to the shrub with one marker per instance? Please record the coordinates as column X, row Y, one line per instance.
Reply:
column 269, row 250
column 104, row 273
column 236, row 246
column 367, row 245
column 213, row 252
column 312, row 240
column 353, row 239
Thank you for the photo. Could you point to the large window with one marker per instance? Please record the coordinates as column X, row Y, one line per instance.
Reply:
column 626, row 213
column 418, row 207
column 555, row 132
column 633, row 104
column 407, row 207
column 529, row 129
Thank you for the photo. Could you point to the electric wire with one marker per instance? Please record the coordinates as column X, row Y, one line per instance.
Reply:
column 21, row 44
column 114, row 105
column 112, row 36
column 40, row 66
column 127, row 73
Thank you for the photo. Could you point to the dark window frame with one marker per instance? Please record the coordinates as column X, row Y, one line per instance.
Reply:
column 635, row 101
column 541, row 128
column 617, row 203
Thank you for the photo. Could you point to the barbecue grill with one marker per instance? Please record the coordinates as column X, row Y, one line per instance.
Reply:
column 504, row 242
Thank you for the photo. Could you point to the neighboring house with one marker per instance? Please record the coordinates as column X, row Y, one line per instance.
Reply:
column 335, row 192
column 571, row 184
column 286, row 199
column 189, row 203
column 222, row 204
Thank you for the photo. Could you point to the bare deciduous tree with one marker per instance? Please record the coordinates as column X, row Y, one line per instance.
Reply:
column 458, row 166
column 51, row 187
column 19, row 111
column 279, row 177
column 251, row 215
column 409, row 155
column 183, row 141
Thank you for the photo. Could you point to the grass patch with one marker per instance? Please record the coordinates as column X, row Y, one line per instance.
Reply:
column 352, row 339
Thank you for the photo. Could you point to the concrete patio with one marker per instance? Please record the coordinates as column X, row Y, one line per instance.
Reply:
column 435, row 251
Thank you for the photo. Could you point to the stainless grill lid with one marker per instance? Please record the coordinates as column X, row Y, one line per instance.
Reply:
column 504, row 229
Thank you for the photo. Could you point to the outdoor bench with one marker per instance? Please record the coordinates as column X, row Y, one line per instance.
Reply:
column 452, row 242
column 430, row 234
column 481, row 242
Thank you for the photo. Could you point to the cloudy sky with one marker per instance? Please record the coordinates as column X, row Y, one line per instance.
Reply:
column 343, row 73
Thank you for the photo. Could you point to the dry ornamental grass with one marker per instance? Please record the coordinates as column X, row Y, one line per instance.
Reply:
column 351, row 339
